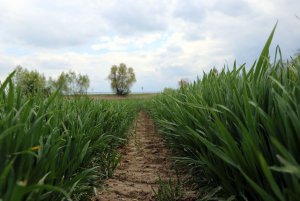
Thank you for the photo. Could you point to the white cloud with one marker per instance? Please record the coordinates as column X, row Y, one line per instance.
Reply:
column 191, row 11
column 132, row 17
column 118, row 43
column 163, row 40
column 52, row 24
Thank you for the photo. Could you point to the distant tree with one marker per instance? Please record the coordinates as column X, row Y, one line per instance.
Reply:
column 183, row 83
column 297, row 54
column 60, row 84
column 29, row 82
column 83, row 83
column 215, row 71
column 70, row 83
column 121, row 79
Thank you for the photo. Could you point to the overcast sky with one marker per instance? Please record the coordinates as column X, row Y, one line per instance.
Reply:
column 163, row 40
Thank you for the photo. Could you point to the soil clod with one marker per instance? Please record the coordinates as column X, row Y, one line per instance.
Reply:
column 145, row 160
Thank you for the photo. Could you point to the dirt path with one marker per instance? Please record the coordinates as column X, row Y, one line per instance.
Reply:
column 144, row 159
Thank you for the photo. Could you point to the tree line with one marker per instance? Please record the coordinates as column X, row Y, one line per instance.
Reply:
column 32, row 82
column 71, row 83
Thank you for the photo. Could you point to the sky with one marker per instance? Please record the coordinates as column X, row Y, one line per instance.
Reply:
column 163, row 40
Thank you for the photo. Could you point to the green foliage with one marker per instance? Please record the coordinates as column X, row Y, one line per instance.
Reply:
column 70, row 83
column 168, row 90
column 121, row 79
column 238, row 129
column 56, row 148
column 30, row 82
column 168, row 190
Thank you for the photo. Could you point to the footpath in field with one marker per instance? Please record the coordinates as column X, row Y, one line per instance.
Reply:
column 144, row 159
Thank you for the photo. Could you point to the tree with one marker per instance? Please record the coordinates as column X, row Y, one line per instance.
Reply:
column 29, row 82
column 83, row 83
column 70, row 83
column 215, row 71
column 297, row 54
column 121, row 79
column 183, row 83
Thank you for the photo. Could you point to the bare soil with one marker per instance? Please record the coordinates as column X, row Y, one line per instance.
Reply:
column 144, row 159
column 128, row 97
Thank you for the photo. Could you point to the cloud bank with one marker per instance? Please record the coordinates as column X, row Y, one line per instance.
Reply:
column 164, row 41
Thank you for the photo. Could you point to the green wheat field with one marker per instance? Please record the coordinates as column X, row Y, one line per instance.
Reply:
column 236, row 132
